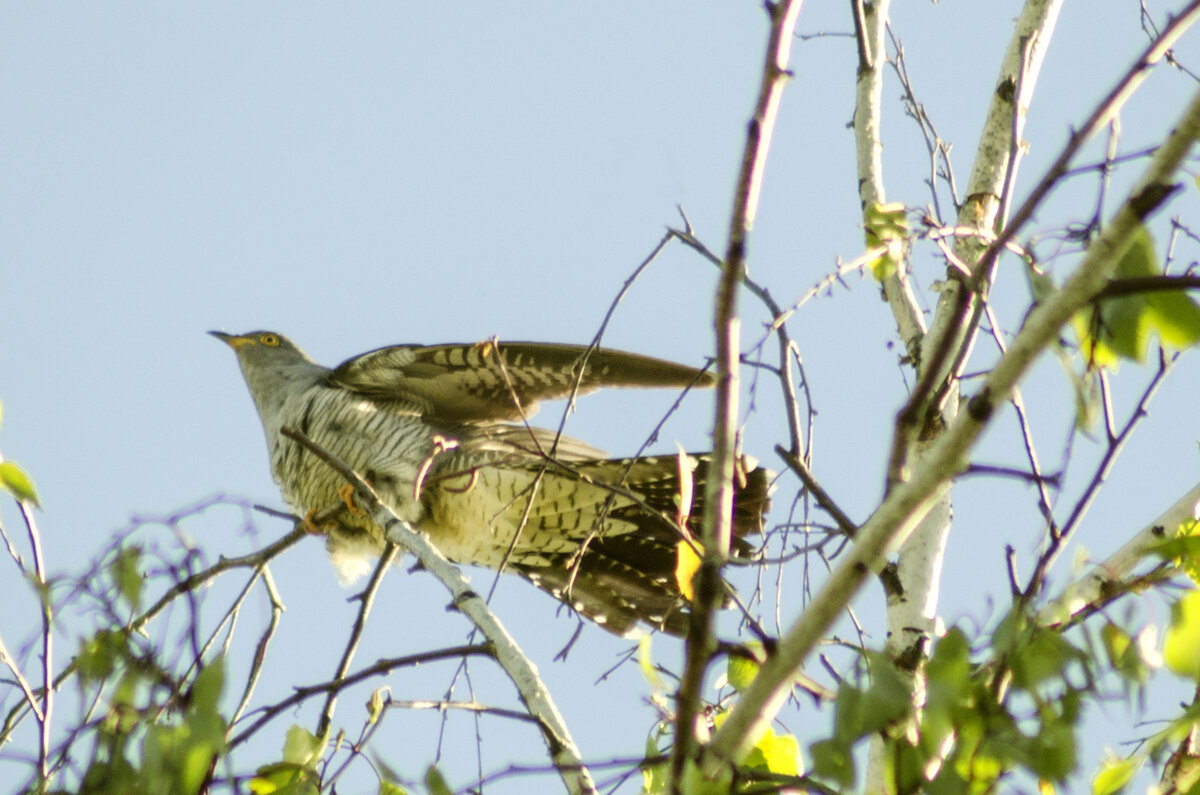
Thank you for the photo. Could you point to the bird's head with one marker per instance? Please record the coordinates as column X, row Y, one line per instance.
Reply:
column 273, row 367
column 262, row 348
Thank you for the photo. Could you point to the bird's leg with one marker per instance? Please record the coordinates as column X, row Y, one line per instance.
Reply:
column 440, row 445
column 346, row 492
column 310, row 524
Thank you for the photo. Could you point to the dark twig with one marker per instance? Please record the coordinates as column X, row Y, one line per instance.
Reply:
column 718, row 510
column 366, row 599
column 301, row 694
column 845, row 523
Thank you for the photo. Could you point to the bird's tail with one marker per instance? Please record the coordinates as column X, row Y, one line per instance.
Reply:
column 625, row 567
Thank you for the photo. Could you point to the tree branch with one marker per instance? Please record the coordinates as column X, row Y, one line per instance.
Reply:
column 718, row 508
column 907, row 504
column 563, row 751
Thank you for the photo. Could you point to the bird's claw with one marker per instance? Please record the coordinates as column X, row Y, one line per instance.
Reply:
column 346, row 492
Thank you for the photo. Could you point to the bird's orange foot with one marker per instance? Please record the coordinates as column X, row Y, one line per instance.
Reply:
column 347, row 494
column 310, row 525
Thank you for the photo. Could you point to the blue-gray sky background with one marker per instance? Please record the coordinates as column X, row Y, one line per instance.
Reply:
column 360, row 175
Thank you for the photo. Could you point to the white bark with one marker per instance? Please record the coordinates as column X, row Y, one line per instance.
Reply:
column 520, row 669
column 909, row 502
column 1108, row 576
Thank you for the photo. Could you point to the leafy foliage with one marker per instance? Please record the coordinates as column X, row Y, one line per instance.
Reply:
column 1121, row 328
column 887, row 228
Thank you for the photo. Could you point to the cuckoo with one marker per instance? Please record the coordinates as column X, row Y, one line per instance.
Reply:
column 440, row 432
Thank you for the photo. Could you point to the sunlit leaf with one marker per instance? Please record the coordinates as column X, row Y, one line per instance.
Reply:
column 742, row 668
column 1181, row 651
column 948, row 684
column 1115, row 774
column 14, row 480
column 687, row 563
column 654, row 776
column 375, row 705
column 776, row 753
column 284, row 778
column 886, row 227
column 302, row 747
column 1188, row 557
column 646, row 662
column 391, row 788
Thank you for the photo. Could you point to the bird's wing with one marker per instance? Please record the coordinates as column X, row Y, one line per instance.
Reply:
column 484, row 381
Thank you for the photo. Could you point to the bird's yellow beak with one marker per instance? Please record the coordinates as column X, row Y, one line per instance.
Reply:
column 233, row 340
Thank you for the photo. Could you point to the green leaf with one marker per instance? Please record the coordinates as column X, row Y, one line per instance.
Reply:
column 302, row 747
column 1121, row 328
column 284, row 778
column 127, row 575
column 1051, row 754
column 776, row 753
column 206, row 690
column 435, row 783
column 742, row 668
column 1043, row 655
column 391, row 788
column 887, row 699
column 1041, row 286
column 697, row 782
column 687, row 563
column 1181, row 651
column 1115, row 774
column 948, row 683
column 832, row 760
column 886, row 226
column 1134, row 657
column 375, row 706
column 1187, row 537
column 654, row 776
column 98, row 655
column 646, row 663
column 848, row 717
column 14, row 480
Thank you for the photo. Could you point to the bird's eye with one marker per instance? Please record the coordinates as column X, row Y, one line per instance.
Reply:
column 269, row 339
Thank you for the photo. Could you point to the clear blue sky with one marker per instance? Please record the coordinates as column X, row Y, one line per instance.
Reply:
column 362, row 175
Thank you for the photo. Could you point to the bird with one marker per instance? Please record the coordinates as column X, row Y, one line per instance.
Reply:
column 441, row 433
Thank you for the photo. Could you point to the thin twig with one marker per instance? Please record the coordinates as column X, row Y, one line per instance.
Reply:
column 47, row 613
column 366, row 600
column 718, row 507
column 906, row 505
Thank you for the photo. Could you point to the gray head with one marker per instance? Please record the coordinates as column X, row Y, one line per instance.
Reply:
column 262, row 348
column 272, row 365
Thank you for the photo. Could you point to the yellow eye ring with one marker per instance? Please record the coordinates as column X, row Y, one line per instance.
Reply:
column 270, row 340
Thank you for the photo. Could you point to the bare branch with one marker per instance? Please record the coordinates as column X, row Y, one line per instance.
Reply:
column 718, row 508
column 365, row 601
column 522, row 672
column 1110, row 576
column 907, row 504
